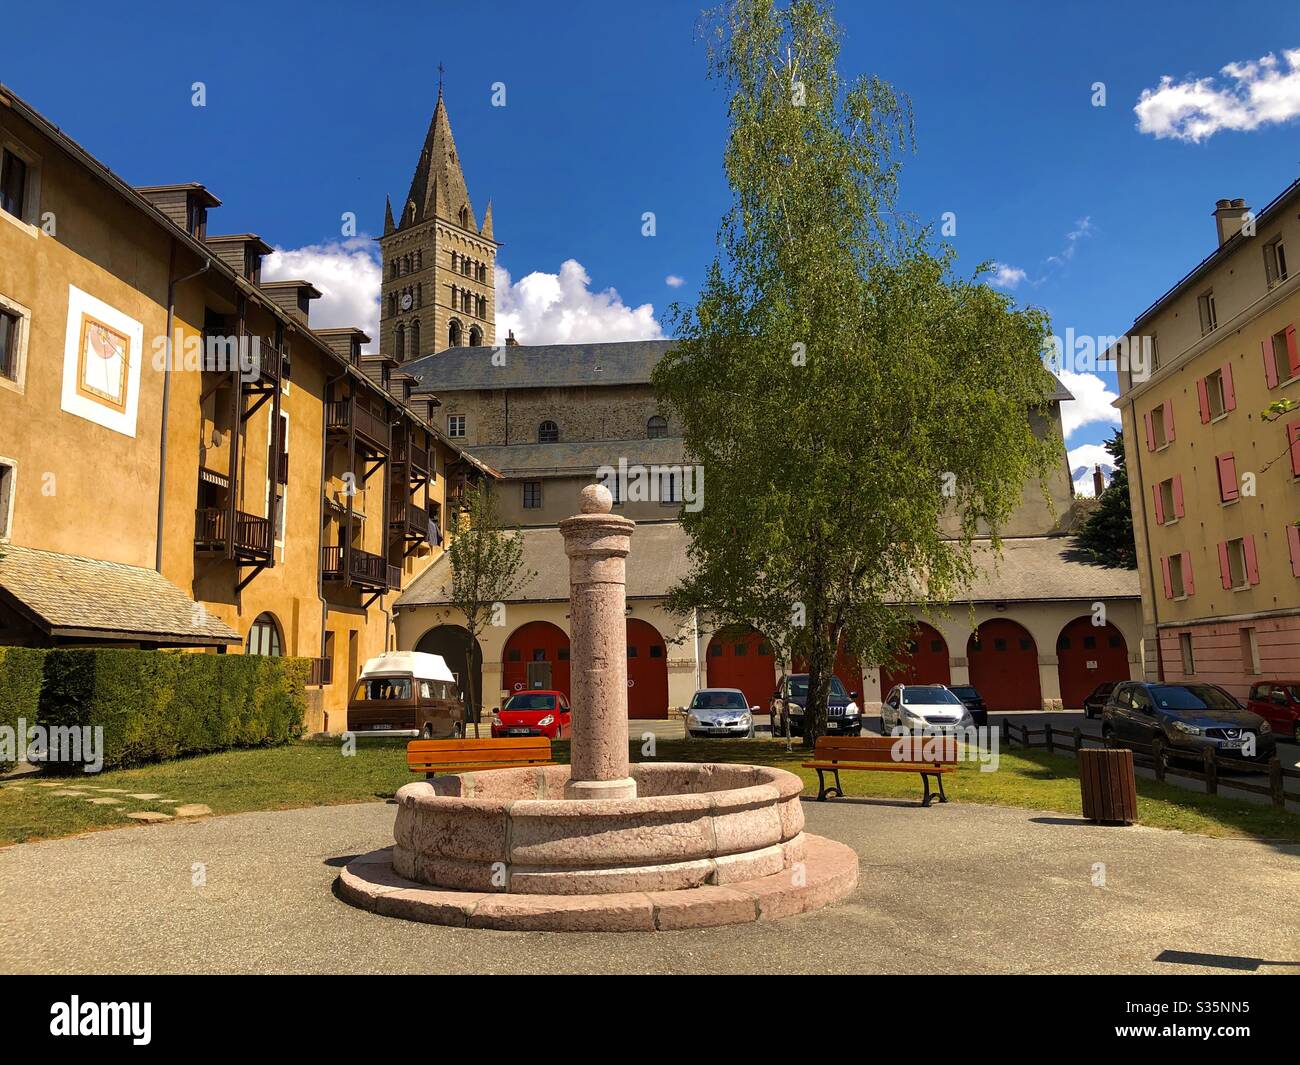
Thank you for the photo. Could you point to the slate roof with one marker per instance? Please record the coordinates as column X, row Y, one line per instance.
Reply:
column 540, row 366
column 579, row 456
column 1031, row 569
column 72, row 596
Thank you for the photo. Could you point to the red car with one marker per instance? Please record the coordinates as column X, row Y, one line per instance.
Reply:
column 1278, row 703
column 533, row 713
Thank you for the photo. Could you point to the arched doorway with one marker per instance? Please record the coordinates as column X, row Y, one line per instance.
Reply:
column 923, row 661
column 449, row 641
column 1004, row 665
column 847, row 668
column 1086, row 655
column 536, row 656
column 740, row 658
column 647, row 671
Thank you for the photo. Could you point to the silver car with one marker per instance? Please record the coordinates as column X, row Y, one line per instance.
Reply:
column 720, row 712
column 923, row 706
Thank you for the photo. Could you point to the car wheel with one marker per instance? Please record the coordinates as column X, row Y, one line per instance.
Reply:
column 1106, row 731
column 428, row 731
column 458, row 730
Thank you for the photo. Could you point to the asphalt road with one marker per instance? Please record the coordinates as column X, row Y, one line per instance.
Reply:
column 955, row 888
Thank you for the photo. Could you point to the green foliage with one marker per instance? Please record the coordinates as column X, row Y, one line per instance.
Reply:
column 158, row 705
column 844, row 391
column 1107, row 535
column 20, row 687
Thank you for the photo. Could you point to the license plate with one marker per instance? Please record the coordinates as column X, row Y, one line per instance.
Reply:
column 379, row 728
column 832, row 724
column 719, row 731
column 1233, row 745
column 519, row 732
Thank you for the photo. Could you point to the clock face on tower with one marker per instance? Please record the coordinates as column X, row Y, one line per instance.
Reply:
column 406, row 301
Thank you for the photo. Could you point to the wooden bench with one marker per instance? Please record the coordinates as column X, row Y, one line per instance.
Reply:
column 458, row 756
column 929, row 755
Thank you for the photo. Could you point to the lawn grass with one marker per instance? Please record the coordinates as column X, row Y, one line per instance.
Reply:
column 317, row 773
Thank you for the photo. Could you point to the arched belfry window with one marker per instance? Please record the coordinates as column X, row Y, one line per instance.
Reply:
column 548, row 433
column 400, row 342
column 464, row 218
column 264, row 637
column 475, row 336
column 454, row 334
column 656, row 427
column 415, row 339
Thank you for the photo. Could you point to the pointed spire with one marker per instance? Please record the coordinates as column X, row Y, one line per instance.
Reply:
column 388, row 216
column 438, row 186
column 486, row 229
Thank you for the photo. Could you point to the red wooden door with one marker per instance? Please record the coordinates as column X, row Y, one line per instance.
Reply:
column 924, row 661
column 743, row 660
column 647, row 671
column 537, row 641
column 1004, row 666
column 1088, row 654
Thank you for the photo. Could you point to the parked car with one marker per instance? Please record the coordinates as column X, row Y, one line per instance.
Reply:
column 1278, row 703
column 1187, row 718
column 973, row 701
column 533, row 713
column 406, row 693
column 720, row 712
column 843, row 717
column 923, row 706
column 1093, row 704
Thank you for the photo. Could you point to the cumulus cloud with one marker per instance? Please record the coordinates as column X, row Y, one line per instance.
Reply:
column 1082, row 459
column 1251, row 94
column 1005, row 276
column 561, row 308
column 1091, row 403
column 673, row 281
column 348, row 274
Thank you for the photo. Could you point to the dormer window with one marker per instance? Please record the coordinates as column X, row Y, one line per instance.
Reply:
column 196, row 219
column 253, row 266
column 548, row 433
column 656, row 428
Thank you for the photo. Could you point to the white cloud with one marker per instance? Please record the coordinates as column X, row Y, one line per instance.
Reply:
column 1082, row 459
column 561, row 308
column 1091, row 403
column 1256, row 93
column 673, row 281
column 1082, row 228
column 1005, row 276
column 348, row 274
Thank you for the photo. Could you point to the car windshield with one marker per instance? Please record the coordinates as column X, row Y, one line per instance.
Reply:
column 719, row 701
column 385, row 688
column 531, row 702
column 928, row 696
column 799, row 687
column 1191, row 697
column 1294, row 689
column 965, row 693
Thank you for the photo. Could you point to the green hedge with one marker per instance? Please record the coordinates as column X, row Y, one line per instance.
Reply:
column 156, row 705
column 20, row 690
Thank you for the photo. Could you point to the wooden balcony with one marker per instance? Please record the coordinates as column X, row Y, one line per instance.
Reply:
column 345, row 416
column 409, row 454
column 364, row 569
column 252, row 539
column 408, row 520
column 255, row 358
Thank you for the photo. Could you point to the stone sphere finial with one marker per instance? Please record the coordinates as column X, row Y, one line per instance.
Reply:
column 596, row 499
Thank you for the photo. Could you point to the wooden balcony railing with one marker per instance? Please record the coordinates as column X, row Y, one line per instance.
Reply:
column 395, row 577
column 252, row 534
column 253, row 357
column 365, row 569
column 413, row 454
column 347, row 415
column 413, row 521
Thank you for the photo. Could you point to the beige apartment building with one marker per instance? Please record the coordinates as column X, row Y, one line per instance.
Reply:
column 1214, row 456
column 184, row 460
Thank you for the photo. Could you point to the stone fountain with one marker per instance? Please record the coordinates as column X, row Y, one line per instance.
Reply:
column 601, row 845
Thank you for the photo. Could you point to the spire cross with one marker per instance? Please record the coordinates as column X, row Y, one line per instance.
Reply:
column 440, row 73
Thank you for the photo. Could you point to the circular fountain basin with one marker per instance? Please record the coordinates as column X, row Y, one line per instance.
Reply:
column 700, row 844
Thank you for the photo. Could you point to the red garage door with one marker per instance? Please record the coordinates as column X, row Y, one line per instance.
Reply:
column 1088, row 654
column 647, row 670
column 846, row 668
column 923, row 661
column 1004, row 665
column 538, row 642
column 740, row 659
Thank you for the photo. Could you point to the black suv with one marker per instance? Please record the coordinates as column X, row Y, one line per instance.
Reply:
column 974, row 702
column 843, row 715
column 1187, row 718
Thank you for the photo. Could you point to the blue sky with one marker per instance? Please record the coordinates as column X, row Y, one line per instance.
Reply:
column 315, row 110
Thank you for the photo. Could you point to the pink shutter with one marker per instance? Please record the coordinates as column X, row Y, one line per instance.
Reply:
column 1293, row 539
column 1151, row 432
column 1204, row 396
column 1229, row 392
column 1178, row 495
column 1292, row 356
column 1270, row 364
column 1227, row 477
column 1169, row 420
column 1160, row 507
column 1252, row 560
column 1293, row 435
column 1169, row 585
column 1189, row 585
column 1225, row 567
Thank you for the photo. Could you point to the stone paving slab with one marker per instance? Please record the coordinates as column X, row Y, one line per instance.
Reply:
column 955, row 888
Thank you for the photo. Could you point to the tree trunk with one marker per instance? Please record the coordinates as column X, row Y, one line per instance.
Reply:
column 469, row 678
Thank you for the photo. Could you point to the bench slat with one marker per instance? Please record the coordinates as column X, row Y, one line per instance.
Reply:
column 887, row 767
column 467, row 766
column 428, row 756
column 474, row 745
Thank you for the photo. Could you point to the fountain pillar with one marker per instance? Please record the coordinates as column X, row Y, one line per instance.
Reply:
column 597, row 543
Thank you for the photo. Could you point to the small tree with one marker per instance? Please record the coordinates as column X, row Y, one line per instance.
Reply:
column 486, row 570
column 1107, row 534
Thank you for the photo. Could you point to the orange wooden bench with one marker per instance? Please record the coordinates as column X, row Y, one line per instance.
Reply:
column 930, row 756
column 456, row 756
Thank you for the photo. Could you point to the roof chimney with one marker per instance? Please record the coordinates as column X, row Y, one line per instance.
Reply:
column 511, row 342
column 1229, row 217
column 1098, row 481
